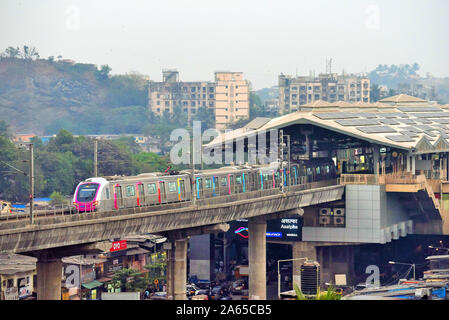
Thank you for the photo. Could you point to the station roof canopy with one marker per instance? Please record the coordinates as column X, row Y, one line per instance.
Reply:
column 403, row 98
column 417, row 127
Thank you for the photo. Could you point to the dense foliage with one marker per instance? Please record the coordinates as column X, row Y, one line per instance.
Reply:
column 66, row 160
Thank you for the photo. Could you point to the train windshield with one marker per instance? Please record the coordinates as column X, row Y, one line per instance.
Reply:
column 86, row 192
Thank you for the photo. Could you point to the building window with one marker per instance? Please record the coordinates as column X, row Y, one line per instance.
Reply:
column 211, row 96
column 192, row 89
column 192, row 103
column 185, row 103
column 158, row 103
column 193, row 96
column 167, row 103
column 193, row 111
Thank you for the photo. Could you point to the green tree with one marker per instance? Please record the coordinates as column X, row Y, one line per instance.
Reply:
column 150, row 162
column 57, row 169
column 4, row 129
column 206, row 116
column 157, row 269
column 12, row 52
column 128, row 280
column 29, row 53
column 57, row 199
column 103, row 73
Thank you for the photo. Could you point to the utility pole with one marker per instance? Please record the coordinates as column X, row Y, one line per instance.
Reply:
column 289, row 164
column 95, row 157
column 281, row 158
column 31, row 183
column 193, row 176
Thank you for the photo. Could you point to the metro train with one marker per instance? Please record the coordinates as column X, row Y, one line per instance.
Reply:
column 118, row 192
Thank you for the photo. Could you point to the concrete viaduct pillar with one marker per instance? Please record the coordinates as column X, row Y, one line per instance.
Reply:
column 49, row 277
column 180, row 269
column 177, row 257
column 177, row 269
column 257, row 230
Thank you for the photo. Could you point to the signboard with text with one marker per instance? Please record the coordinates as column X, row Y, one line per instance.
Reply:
column 285, row 229
column 118, row 245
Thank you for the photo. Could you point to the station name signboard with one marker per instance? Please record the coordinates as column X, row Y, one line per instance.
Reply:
column 286, row 229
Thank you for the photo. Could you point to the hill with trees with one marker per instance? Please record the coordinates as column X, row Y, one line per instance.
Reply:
column 42, row 96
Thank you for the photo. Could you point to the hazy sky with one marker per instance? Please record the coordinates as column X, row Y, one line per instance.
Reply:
column 259, row 37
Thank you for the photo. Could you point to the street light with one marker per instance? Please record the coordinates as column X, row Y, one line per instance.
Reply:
column 279, row 274
column 407, row 264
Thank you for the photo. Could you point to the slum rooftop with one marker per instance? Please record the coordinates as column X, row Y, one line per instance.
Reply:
column 11, row 263
column 401, row 121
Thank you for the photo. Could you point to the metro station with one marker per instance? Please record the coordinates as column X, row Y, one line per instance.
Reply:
column 392, row 157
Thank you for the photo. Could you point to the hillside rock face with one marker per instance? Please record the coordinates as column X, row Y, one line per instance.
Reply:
column 36, row 93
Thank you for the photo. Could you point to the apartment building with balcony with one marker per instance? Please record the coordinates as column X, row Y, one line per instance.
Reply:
column 296, row 91
column 189, row 96
column 232, row 98
column 228, row 95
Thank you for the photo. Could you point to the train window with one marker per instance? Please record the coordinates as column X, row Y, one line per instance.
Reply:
column 172, row 186
column 107, row 193
column 238, row 179
column 208, row 183
column 152, row 188
column 224, row 181
column 130, row 191
column 318, row 170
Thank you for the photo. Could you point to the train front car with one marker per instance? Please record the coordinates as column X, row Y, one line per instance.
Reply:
column 87, row 197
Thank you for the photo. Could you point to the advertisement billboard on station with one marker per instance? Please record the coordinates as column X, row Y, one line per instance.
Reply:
column 284, row 229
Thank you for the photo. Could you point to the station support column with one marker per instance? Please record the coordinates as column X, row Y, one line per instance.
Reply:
column 180, row 269
column 49, row 277
column 257, row 230
column 170, row 270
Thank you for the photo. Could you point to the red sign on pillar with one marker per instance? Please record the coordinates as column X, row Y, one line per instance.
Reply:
column 118, row 245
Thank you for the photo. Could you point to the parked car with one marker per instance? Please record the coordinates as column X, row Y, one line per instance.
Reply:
column 158, row 296
column 205, row 292
column 238, row 286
